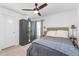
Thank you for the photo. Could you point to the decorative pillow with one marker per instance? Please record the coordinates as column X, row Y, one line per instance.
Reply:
column 62, row 33
column 51, row 33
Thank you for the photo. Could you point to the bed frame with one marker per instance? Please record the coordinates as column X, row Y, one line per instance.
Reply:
column 74, row 41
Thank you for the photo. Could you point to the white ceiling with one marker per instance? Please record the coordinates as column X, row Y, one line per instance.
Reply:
column 52, row 8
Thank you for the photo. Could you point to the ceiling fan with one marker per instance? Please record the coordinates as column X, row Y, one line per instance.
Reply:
column 36, row 9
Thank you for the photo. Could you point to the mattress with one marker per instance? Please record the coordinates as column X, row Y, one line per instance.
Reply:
column 52, row 46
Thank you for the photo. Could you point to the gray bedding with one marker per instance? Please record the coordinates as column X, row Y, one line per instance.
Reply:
column 52, row 46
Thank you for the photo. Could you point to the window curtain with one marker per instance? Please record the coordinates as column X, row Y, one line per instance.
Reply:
column 33, row 30
column 41, row 28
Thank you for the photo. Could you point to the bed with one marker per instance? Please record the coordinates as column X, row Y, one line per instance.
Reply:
column 53, row 46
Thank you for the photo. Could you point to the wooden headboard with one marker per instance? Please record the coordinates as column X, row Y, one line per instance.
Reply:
column 55, row 29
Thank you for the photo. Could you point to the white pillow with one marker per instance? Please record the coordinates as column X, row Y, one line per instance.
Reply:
column 62, row 33
column 51, row 33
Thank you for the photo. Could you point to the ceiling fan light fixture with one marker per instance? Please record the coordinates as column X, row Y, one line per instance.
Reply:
column 36, row 11
column 37, row 8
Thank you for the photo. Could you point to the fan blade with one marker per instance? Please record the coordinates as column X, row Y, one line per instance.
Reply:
column 42, row 6
column 39, row 14
column 27, row 9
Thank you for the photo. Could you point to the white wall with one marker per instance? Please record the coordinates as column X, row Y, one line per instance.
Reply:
column 9, row 27
column 61, row 19
column 66, row 18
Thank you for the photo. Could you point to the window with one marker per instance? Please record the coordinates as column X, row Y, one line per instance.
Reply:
column 38, row 29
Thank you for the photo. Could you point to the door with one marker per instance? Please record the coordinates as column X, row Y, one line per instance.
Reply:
column 11, row 31
column 1, row 32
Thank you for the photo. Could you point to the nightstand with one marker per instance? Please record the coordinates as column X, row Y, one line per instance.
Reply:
column 74, row 41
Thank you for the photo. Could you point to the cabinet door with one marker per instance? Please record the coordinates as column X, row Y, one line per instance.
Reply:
column 8, row 31
column 1, row 32
column 11, row 27
column 23, row 32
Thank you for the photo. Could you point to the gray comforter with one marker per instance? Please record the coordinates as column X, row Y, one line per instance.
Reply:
column 52, row 46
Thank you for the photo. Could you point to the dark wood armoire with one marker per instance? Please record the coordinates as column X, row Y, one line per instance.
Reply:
column 28, row 31
column 23, row 32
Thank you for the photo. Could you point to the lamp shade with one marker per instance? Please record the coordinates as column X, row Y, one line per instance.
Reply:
column 45, row 29
column 73, row 27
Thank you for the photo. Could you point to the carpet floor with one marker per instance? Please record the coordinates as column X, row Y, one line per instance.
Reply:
column 15, row 50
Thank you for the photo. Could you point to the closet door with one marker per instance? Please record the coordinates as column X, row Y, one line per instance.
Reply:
column 10, row 31
column 24, row 36
column 1, row 32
